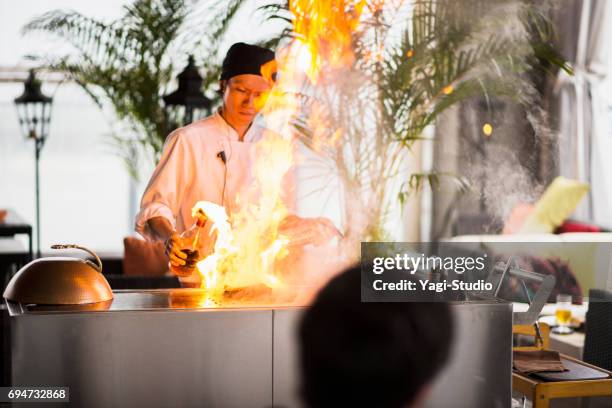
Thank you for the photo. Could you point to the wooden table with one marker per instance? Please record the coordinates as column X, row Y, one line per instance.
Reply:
column 541, row 392
column 13, row 225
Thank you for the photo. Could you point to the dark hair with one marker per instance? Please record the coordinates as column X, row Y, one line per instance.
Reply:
column 369, row 354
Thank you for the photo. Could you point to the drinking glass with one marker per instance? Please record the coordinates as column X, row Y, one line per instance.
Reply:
column 563, row 314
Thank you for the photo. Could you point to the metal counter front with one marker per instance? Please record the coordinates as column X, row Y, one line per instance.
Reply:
column 161, row 348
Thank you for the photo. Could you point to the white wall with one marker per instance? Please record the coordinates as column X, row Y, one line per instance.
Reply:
column 84, row 187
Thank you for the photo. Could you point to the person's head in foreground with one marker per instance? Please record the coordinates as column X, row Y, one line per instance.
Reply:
column 242, row 83
column 382, row 355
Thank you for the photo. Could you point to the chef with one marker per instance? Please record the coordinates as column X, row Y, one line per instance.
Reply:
column 210, row 160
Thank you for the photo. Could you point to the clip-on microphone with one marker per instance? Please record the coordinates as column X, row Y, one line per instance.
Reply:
column 221, row 155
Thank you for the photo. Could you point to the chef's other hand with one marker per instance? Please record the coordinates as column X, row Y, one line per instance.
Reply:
column 173, row 250
column 304, row 231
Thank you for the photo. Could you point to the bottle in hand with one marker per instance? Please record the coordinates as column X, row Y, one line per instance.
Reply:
column 189, row 246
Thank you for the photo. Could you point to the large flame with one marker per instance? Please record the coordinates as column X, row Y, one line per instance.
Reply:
column 249, row 249
column 324, row 30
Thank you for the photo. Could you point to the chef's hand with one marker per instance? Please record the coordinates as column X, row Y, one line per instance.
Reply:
column 174, row 251
column 304, row 231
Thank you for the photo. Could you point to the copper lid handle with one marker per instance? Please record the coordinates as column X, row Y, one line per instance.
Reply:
column 97, row 266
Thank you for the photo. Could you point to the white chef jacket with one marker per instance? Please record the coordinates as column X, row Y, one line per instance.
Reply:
column 190, row 171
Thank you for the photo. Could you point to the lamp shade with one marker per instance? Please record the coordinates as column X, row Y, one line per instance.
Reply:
column 34, row 109
column 188, row 102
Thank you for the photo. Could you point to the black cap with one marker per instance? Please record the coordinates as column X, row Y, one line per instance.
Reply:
column 244, row 58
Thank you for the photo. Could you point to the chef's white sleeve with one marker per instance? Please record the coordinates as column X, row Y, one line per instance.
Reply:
column 172, row 176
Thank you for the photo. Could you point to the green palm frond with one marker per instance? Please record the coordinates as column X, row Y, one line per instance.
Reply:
column 129, row 62
column 444, row 52
column 278, row 12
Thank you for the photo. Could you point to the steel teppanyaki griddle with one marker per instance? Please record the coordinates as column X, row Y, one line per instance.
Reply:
column 160, row 348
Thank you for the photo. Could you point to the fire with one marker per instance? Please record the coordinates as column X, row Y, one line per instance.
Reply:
column 324, row 29
column 244, row 252
column 249, row 249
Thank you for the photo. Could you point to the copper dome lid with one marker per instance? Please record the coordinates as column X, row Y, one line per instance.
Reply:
column 60, row 281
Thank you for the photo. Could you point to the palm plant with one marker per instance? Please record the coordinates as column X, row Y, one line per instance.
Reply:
column 128, row 63
column 413, row 60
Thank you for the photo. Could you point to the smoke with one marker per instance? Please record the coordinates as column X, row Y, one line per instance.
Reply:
column 506, row 168
column 508, row 183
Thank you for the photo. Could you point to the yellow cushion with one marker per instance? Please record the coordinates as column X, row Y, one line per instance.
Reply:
column 556, row 204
